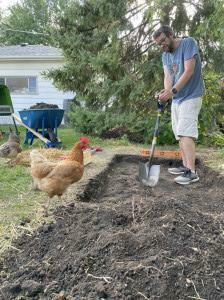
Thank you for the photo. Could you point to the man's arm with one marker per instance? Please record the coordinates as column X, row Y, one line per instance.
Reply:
column 189, row 66
column 167, row 79
column 167, row 82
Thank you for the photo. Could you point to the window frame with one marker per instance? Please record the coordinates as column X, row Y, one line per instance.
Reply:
column 28, row 78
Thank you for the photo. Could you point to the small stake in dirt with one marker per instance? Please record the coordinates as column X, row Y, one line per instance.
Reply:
column 148, row 173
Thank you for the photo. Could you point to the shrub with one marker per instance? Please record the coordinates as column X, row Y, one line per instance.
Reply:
column 211, row 116
column 138, row 129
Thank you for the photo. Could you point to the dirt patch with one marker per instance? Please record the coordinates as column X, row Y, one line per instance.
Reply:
column 126, row 241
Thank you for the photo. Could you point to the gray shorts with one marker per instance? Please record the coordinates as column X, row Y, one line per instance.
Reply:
column 185, row 118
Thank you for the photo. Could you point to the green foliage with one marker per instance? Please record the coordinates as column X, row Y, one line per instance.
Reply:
column 132, row 126
column 32, row 16
column 211, row 116
column 207, row 26
column 95, row 122
column 215, row 139
column 107, row 65
column 166, row 136
column 87, row 122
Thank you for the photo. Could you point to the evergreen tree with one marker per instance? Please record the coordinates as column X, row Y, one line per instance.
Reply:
column 107, row 55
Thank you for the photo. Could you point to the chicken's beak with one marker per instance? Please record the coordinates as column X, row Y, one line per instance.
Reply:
column 84, row 146
column 84, row 142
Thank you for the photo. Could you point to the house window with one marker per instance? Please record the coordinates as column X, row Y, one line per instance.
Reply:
column 20, row 85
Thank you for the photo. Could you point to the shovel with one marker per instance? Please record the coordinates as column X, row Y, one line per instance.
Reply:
column 148, row 173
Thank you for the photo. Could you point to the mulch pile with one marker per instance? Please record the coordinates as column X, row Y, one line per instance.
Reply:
column 126, row 241
column 43, row 105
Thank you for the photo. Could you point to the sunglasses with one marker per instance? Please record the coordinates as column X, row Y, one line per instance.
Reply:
column 162, row 41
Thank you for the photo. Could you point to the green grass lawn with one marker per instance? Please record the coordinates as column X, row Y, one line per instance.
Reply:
column 18, row 203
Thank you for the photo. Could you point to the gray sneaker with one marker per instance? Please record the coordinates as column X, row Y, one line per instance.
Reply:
column 177, row 171
column 187, row 178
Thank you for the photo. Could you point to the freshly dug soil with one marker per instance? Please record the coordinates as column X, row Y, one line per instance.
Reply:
column 43, row 105
column 126, row 241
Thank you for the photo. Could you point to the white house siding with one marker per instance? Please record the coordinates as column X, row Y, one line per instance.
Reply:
column 46, row 91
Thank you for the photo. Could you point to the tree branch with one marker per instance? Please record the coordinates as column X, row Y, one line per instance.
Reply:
column 136, row 7
column 132, row 30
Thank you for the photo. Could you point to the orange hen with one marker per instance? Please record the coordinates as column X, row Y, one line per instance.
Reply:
column 55, row 178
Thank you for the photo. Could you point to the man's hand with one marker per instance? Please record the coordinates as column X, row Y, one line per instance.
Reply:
column 165, row 95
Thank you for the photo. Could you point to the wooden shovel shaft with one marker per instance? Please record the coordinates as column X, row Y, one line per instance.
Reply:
column 155, row 135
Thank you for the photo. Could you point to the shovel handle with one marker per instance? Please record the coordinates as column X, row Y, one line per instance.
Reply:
column 161, row 105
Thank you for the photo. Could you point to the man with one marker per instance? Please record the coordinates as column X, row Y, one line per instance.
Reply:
column 183, row 84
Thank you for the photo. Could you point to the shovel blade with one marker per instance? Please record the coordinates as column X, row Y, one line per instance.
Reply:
column 149, row 176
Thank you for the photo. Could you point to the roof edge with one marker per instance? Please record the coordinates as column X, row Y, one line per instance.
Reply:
column 6, row 58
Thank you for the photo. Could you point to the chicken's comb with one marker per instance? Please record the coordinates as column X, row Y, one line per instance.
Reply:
column 84, row 140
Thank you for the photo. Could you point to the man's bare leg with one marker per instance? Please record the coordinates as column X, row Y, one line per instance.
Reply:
column 182, row 155
column 187, row 146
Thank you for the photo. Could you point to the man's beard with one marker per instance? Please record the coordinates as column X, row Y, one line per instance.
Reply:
column 171, row 47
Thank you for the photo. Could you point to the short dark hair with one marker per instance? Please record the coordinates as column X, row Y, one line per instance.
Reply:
column 167, row 30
